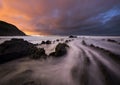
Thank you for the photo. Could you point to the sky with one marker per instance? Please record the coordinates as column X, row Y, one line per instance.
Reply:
column 62, row 17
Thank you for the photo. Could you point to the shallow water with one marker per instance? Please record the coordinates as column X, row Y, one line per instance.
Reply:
column 83, row 65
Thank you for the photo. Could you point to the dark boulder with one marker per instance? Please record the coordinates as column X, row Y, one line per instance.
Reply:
column 60, row 50
column 38, row 54
column 91, row 45
column 43, row 42
column 110, row 40
column 48, row 42
column 71, row 36
column 66, row 41
column 52, row 54
column 83, row 42
column 15, row 45
column 57, row 40
column 14, row 49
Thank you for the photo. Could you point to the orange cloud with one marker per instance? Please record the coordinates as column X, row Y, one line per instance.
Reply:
column 16, row 17
column 52, row 16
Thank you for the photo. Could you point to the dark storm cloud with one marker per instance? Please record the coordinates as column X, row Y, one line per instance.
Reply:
column 64, row 16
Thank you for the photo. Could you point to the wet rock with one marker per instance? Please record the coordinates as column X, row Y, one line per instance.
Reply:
column 84, row 43
column 14, row 49
column 39, row 53
column 66, row 41
column 53, row 42
column 48, row 42
column 92, row 45
column 52, row 54
column 15, row 45
column 71, row 36
column 61, row 39
column 43, row 42
column 36, row 44
column 110, row 40
column 30, row 83
column 112, row 55
column 60, row 50
column 57, row 40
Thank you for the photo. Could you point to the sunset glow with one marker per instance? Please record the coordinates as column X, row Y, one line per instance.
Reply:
column 60, row 16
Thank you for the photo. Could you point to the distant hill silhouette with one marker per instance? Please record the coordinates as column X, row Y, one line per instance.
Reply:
column 7, row 29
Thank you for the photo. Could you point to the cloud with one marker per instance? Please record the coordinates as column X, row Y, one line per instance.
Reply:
column 108, row 15
column 0, row 4
column 58, row 16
